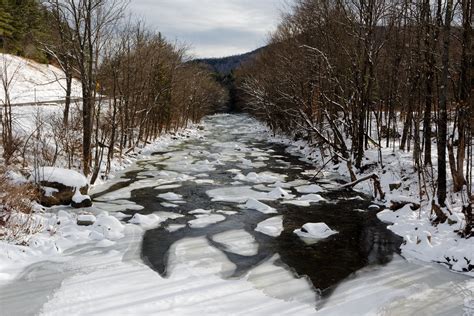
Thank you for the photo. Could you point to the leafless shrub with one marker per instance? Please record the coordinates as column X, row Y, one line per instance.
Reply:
column 16, row 209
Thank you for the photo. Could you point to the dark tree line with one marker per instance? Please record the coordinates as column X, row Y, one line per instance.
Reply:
column 359, row 74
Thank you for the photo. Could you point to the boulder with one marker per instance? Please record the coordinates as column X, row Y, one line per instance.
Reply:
column 59, row 187
column 81, row 201
column 86, row 220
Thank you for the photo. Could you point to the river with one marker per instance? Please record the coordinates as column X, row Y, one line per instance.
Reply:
column 214, row 253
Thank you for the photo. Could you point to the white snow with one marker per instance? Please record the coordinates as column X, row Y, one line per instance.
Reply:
column 150, row 221
column 86, row 218
column 279, row 193
column 262, row 177
column 272, row 227
column 201, row 211
column 306, row 200
column 313, row 188
column 171, row 196
column 204, row 220
column 313, row 232
column 237, row 241
column 238, row 194
column 169, row 205
column 67, row 177
column 35, row 82
column 256, row 205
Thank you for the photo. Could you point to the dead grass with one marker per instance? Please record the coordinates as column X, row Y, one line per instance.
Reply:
column 16, row 207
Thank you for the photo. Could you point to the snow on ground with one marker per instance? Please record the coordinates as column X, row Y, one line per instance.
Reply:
column 194, row 284
column 35, row 82
column 402, row 288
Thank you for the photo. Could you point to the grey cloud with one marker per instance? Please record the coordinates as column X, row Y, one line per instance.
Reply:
column 213, row 27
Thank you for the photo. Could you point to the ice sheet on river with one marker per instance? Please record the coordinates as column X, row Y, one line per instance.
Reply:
column 237, row 241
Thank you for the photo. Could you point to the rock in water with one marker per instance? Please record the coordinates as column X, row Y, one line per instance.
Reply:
column 311, row 233
column 61, row 187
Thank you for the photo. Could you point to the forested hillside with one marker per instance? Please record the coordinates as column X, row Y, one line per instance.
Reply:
column 23, row 25
column 226, row 65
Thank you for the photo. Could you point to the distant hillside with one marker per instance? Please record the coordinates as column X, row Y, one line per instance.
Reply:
column 225, row 65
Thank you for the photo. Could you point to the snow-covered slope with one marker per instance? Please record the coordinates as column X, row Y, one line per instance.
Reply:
column 32, row 81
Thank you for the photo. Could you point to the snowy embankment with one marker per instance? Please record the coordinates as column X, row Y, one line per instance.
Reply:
column 33, row 82
column 399, row 179
column 55, row 231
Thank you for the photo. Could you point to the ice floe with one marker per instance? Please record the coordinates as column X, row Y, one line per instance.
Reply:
column 204, row 220
column 237, row 241
column 256, row 205
column 272, row 227
column 306, row 200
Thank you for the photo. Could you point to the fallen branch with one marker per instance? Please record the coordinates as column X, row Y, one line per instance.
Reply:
column 377, row 186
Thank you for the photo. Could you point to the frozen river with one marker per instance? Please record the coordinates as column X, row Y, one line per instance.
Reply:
column 213, row 233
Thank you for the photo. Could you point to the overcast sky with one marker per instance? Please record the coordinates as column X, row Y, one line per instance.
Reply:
column 213, row 28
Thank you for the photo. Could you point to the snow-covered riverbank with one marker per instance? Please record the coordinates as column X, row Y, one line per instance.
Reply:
column 399, row 180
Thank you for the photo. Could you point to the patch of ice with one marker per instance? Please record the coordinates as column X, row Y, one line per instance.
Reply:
column 238, row 194
column 272, row 227
column 313, row 188
column 306, row 200
column 204, row 181
column 262, row 177
column 150, row 221
column 168, row 187
column 237, row 241
column 256, row 205
column 168, row 215
column 169, row 205
column 201, row 211
column 229, row 213
column 205, row 220
column 279, row 193
column 171, row 196
column 175, row 227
